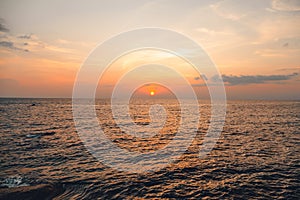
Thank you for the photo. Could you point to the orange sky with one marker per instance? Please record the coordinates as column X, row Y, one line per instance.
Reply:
column 254, row 44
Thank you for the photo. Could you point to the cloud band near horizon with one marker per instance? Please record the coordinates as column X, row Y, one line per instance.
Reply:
column 253, row 79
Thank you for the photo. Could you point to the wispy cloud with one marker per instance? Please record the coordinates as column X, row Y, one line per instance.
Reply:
column 290, row 69
column 11, row 45
column 286, row 5
column 9, row 41
column 6, row 44
column 3, row 28
column 26, row 36
column 255, row 79
column 202, row 77
column 29, row 42
column 271, row 53
column 226, row 13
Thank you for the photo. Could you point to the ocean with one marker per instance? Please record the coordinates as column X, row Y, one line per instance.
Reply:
column 257, row 155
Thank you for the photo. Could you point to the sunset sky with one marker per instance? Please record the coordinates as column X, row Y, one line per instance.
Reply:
column 255, row 44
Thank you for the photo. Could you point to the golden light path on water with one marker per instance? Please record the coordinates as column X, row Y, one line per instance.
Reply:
column 257, row 154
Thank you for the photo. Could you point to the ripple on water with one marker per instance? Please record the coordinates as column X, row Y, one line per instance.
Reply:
column 257, row 155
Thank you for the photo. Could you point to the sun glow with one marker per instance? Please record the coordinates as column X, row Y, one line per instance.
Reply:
column 152, row 93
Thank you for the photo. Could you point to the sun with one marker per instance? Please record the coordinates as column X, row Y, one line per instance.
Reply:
column 152, row 93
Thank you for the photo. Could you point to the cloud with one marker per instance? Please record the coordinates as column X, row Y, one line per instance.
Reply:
column 206, row 84
column 2, row 26
column 237, row 9
column 10, row 45
column 26, row 36
column 202, row 77
column 290, row 69
column 286, row 5
column 6, row 44
column 256, row 79
column 9, row 41
column 271, row 53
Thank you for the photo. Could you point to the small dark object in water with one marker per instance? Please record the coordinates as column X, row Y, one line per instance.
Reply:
column 48, row 133
column 33, row 104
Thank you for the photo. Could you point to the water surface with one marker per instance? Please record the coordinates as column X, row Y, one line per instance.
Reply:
column 257, row 155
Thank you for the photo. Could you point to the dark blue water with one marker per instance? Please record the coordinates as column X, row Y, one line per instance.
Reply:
column 256, row 157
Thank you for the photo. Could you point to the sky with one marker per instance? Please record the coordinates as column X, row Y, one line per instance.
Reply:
column 254, row 44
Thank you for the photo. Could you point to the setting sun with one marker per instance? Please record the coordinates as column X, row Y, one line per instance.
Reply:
column 152, row 93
